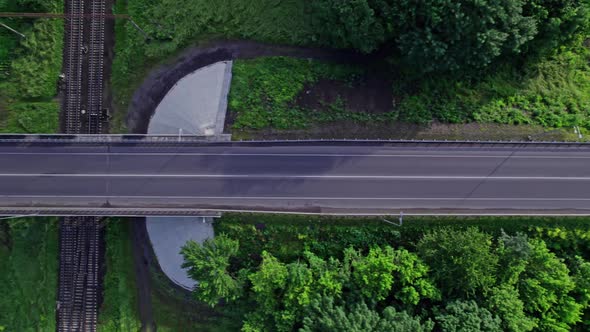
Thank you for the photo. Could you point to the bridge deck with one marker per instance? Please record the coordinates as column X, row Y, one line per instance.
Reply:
column 370, row 178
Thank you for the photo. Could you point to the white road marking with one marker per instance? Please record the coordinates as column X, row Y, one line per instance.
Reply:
column 307, row 198
column 278, row 176
column 180, row 154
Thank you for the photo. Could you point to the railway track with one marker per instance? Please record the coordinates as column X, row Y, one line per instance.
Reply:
column 72, row 63
column 94, row 117
column 78, row 273
column 82, row 113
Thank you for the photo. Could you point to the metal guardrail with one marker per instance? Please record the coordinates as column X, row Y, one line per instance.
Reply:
column 213, row 213
column 222, row 141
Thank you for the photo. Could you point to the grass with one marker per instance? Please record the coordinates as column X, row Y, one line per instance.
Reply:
column 178, row 315
column 119, row 308
column 32, row 117
column 282, row 22
column 28, row 281
column 29, row 75
column 553, row 92
column 29, row 250
column 264, row 93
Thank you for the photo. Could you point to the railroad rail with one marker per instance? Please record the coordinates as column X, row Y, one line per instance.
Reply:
column 72, row 64
column 78, row 273
column 82, row 113
column 63, row 15
column 93, row 119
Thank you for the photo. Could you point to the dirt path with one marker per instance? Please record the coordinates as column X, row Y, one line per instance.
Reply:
column 160, row 80
column 142, row 260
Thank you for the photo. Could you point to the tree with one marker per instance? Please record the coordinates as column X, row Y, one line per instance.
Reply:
column 284, row 292
column 506, row 303
column 353, row 23
column 545, row 287
column 467, row 316
column 372, row 275
column 208, row 263
column 514, row 251
column 560, row 22
column 581, row 275
column 450, row 35
column 324, row 316
column 281, row 292
column 411, row 280
column 462, row 262
column 329, row 275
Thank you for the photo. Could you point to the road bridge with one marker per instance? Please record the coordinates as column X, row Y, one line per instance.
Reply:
column 169, row 175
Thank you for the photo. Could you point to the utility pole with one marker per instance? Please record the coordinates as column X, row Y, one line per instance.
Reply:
column 400, row 219
column 578, row 131
column 11, row 29
column 145, row 35
column 62, row 15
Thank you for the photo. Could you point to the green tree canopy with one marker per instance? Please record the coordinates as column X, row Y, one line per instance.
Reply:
column 372, row 275
column 449, row 35
column 545, row 287
column 359, row 24
column 559, row 22
column 462, row 261
column 467, row 316
column 325, row 316
column 505, row 302
column 208, row 263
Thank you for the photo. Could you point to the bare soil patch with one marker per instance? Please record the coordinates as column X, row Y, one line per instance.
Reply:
column 368, row 94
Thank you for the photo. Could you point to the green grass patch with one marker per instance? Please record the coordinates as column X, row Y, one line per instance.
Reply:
column 28, row 280
column 29, row 69
column 264, row 20
column 32, row 117
column 264, row 93
column 174, row 314
column 119, row 308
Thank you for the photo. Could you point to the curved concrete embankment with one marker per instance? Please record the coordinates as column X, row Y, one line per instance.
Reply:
column 195, row 105
column 163, row 78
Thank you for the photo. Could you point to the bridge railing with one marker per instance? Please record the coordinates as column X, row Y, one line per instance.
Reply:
column 225, row 140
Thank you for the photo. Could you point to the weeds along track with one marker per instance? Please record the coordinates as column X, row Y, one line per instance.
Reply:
column 79, row 237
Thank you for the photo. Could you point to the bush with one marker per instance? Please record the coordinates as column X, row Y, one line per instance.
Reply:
column 32, row 118
column 553, row 93
column 30, row 74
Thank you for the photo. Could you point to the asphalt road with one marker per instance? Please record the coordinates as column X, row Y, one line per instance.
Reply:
column 326, row 179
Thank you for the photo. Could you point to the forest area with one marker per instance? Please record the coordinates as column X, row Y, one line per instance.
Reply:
column 302, row 273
